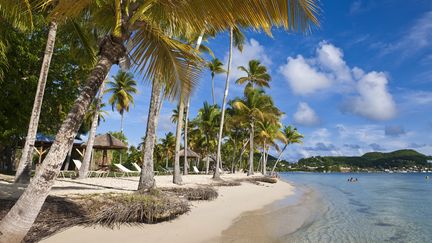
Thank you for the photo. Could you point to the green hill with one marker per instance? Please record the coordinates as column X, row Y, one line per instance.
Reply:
column 400, row 158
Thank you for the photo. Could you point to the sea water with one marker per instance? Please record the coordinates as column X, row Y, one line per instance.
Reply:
column 377, row 208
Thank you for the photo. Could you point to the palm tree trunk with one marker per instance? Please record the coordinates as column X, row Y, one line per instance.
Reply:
column 121, row 131
column 264, row 162
column 216, row 174
column 242, row 152
column 185, row 141
column 207, row 164
column 147, row 180
column 15, row 225
column 213, row 95
column 186, row 164
column 251, row 150
column 92, row 134
column 24, row 168
column 278, row 159
column 177, row 176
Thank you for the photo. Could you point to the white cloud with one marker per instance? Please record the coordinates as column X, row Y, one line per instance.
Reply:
column 331, row 58
column 419, row 36
column 252, row 49
column 373, row 100
column 327, row 71
column 305, row 115
column 302, row 77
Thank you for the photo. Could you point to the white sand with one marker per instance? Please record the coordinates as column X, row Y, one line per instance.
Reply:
column 204, row 223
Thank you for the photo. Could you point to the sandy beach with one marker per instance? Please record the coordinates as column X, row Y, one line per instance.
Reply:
column 204, row 223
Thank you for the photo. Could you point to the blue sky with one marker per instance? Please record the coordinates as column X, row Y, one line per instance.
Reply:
column 361, row 82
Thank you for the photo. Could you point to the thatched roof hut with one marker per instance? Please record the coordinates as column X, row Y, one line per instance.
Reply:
column 107, row 141
column 190, row 154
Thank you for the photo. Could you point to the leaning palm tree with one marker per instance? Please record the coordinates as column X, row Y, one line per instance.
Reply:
column 154, row 54
column 236, row 39
column 269, row 132
column 291, row 136
column 255, row 106
column 257, row 75
column 121, row 90
column 215, row 66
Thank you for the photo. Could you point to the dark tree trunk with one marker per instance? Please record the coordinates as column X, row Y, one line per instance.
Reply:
column 15, row 225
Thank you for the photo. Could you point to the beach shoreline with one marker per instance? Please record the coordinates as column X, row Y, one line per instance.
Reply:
column 204, row 223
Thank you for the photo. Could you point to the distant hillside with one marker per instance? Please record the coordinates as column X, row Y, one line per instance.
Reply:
column 399, row 158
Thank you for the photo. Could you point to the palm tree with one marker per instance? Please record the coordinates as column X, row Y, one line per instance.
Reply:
column 207, row 120
column 168, row 143
column 95, row 114
column 257, row 75
column 236, row 38
column 147, row 171
column 291, row 136
column 255, row 106
column 154, row 54
column 215, row 66
column 269, row 132
column 122, row 89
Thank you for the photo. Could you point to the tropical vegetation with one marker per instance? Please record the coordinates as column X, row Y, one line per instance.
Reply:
column 160, row 42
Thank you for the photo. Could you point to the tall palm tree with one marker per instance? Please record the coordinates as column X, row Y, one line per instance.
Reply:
column 147, row 171
column 255, row 106
column 24, row 167
column 95, row 115
column 236, row 39
column 215, row 66
column 122, row 89
column 291, row 136
column 257, row 75
column 154, row 54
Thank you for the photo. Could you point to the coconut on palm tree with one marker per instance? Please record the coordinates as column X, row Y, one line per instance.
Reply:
column 122, row 89
column 215, row 66
column 257, row 75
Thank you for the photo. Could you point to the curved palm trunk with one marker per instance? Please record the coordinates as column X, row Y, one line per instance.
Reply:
column 177, row 176
column 216, row 174
column 92, row 134
column 24, row 168
column 213, row 95
column 278, row 159
column 264, row 161
column 15, row 225
column 147, row 180
column 251, row 150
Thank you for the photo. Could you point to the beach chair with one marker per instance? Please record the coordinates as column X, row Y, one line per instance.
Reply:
column 195, row 169
column 123, row 170
column 167, row 170
column 137, row 167
column 90, row 173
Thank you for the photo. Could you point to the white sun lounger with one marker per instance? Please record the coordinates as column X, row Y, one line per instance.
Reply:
column 124, row 170
column 78, row 165
column 195, row 169
column 137, row 167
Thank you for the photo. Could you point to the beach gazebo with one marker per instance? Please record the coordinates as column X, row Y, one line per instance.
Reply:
column 107, row 142
column 190, row 154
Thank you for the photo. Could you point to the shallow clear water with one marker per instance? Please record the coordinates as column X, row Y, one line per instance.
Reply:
column 377, row 208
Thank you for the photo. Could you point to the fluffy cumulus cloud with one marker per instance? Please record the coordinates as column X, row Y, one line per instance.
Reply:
column 302, row 77
column 252, row 49
column 373, row 100
column 328, row 71
column 305, row 115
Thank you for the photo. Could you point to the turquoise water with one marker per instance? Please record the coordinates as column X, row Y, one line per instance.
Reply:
column 377, row 208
